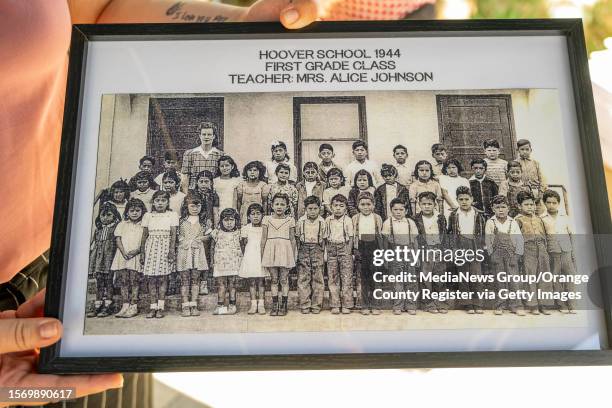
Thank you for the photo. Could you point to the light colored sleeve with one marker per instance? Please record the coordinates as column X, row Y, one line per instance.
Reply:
column 243, row 231
column 386, row 228
column 541, row 178
column 349, row 229
column 145, row 220
column 119, row 229
column 174, row 219
column 414, row 230
column 412, row 192
column 503, row 188
column 489, row 235
column 517, row 238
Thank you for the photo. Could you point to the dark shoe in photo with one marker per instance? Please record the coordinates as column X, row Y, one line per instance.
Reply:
column 315, row 310
column 159, row 313
column 194, row 311
column 104, row 312
column 151, row 313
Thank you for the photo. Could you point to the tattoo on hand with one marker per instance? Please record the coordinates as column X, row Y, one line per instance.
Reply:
column 176, row 12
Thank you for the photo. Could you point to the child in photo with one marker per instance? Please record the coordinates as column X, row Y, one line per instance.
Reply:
column 117, row 194
column 560, row 247
column 466, row 229
column 367, row 227
column 432, row 227
column 126, row 263
column 504, row 242
column 210, row 199
column 483, row 188
column 424, row 181
column 251, row 189
column 335, row 185
column 210, row 202
column 142, row 187
column 309, row 186
column 535, row 256
column 281, row 186
column 326, row 154
column 170, row 163
column 513, row 185
column 225, row 182
column 146, row 163
column 158, row 246
column 311, row 233
column 404, row 172
column 449, row 181
column 191, row 261
column 103, row 249
column 400, row 231
column 279, row 156
column 496, row 167
column 227, row 256
column 340, row 256
column 362, row 183
column 278, row 250
column 360, row 153
column 439, row 154
column 250, row 267
column 388, row 191
column 171, row 182
column 532, row 171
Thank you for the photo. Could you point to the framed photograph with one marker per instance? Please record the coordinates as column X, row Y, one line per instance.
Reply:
column 349, row 195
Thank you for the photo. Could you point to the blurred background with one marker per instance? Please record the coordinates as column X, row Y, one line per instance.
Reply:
column 474, row 387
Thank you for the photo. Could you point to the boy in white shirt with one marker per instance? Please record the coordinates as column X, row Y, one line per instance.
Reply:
column 339, row 256
column 400, row 231
column 504, row 241
column 560, row 247
column 367, row 226
column 360, row 152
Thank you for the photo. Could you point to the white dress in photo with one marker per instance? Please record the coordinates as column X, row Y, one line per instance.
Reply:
column 131, row 236
column 225, row 190
column 251, row 262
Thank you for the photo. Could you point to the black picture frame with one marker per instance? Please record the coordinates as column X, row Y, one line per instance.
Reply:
column 50, row 359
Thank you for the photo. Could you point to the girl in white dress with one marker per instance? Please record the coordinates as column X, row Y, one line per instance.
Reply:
column 226, row 254
column 191, row 254
column 225, row 182
column 171, row 182
column 128, row 237
column 449, row 181
column 158, row 247
column 250, row 268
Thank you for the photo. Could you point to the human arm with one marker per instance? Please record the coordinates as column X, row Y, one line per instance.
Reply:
column 24, row 331
column 489, row 236
column 293, row 241
column 172, row 249
column 121, row 249
column 264, row 238
column 292, row 14
column 145, row 235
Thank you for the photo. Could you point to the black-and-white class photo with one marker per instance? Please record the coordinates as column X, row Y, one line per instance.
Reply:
column 263, row 212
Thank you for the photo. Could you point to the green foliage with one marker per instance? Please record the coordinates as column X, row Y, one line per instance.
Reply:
column 597, row 24
column 510, row 9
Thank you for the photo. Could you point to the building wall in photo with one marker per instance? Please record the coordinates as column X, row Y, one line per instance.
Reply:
column 253, row 121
